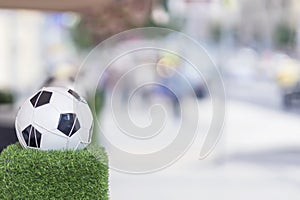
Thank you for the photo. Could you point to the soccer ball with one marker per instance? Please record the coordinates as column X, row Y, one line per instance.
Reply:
column 54, row 118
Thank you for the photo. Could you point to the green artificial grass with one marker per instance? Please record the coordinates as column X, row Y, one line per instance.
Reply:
column 33, row 174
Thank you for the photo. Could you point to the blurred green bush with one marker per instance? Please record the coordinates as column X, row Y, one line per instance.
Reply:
column 32, row 174
column 6, row 97
column 285, row 35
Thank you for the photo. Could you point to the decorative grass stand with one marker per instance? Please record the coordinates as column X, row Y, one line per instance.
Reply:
column 35, row 175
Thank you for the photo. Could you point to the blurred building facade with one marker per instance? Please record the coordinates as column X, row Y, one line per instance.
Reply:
column 33, row 42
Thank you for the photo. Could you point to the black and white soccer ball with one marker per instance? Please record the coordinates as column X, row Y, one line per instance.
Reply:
column 54, row 118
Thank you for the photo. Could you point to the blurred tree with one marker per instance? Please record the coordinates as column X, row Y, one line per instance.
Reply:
column 81, row 36
column 99, row 23
column 6, row 97
column 216, row 31
column 285, row 36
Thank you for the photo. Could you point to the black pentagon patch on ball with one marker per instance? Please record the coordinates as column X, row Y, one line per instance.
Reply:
column 74, row 94
column 32, row 137
column 41, row 98
column 68, row 124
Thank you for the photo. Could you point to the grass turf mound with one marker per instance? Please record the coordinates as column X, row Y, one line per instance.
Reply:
column 32, row 174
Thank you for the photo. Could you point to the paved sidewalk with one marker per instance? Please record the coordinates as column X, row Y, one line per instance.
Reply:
column 258, row 157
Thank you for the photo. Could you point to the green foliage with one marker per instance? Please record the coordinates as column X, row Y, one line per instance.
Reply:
column 285, row 36
column 32, row 174
column 216, row 32
column 81, row 36
column 6, row 97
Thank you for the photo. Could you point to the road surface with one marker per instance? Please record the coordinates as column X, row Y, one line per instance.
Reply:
column 258, row 157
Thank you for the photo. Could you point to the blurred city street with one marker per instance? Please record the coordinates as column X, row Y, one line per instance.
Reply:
column 256, row 158
column 152, row 71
